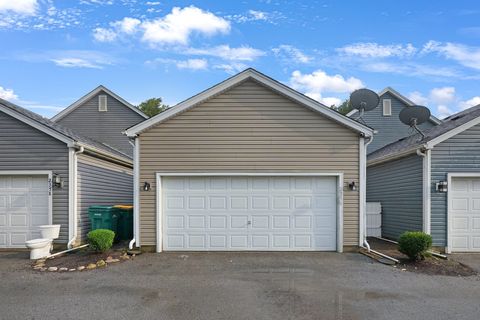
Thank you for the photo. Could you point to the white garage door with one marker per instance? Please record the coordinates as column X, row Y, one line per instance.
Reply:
column 23, row 207
column 464, row 212
column 249, row 213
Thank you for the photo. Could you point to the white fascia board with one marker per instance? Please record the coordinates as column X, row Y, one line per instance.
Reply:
column 90, row 95
column 37, row 125
column 447, row 135
column 242, row 76
column 352, row 112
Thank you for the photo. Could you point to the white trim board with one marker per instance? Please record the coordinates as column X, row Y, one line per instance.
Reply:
column 47, row 173
column 264, row 80
column 451, row 175
column 427, row 193
column 159, row 203
column 90, row 95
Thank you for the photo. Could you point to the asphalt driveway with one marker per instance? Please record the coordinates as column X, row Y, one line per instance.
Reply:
column 235, row 286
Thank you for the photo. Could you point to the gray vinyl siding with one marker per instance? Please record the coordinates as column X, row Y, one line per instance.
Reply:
column 460, row 153
column 100, row 183
column 106, row 127
column 248, row 128
column 25, row 148
column 390, row 128
column 398, row 186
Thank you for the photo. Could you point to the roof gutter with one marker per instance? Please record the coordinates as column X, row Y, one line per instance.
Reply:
column 106, row 155
column 396, row 156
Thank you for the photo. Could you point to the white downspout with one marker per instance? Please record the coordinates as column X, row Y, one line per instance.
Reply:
column 136, row 195
column 72, row 195
column 363, row 192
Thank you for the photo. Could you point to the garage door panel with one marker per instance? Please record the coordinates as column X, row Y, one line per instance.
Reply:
column 464, row 214
column 249, row 213
column 24, row 205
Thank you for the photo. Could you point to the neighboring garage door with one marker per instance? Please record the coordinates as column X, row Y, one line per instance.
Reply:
column 24, row 206
column 249, row 213
column 464, row 212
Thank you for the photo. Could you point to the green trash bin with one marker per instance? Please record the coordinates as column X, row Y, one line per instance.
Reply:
column 103, row 217
column 125, row 221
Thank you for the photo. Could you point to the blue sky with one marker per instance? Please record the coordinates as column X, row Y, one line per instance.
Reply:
column 53, row 52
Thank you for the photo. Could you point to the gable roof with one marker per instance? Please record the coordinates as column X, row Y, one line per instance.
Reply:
column 235, row 80
column 400, row 97
column 450, row 127
column 90, row 95
column 60, row 132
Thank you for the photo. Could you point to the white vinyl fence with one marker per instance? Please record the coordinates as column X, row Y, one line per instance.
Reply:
column 374, row 219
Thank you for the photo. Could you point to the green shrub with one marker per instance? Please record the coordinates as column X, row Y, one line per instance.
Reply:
column 100, row 239
column 415, row 244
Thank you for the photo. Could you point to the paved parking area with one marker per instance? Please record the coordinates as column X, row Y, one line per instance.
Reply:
column 235, row 286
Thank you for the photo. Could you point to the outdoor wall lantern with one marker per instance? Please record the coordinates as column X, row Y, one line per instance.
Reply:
column 57, row 181
column 442, row 186
column 146, row 186
column 352, row 186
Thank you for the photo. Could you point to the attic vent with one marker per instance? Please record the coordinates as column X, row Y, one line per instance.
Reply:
column 102, row 103
column 387, row 107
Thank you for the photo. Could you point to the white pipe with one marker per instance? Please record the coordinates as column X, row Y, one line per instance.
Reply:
column 364, row 200
column 68, row 250
column 73, row 185
column 385, row 256
column 136, row 194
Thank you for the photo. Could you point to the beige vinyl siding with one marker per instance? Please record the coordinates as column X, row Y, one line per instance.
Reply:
column 248, row 129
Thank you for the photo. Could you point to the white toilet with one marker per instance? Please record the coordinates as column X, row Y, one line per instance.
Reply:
column 41, row 248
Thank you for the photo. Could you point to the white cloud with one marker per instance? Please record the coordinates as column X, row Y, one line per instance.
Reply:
column 443, row 111
column 225, row 52
column 76, row 63
column 375, row 50
column 319, row 81
column 465, row 55
column 153, row 3
column 475, row 101
column 289, row 53
column 193, row 64
column 177, row 26
column 255, row 15
column 127, row 25
column 258, row 15
column 7, row 94
column 409, row 69
column 442, row 96
column 104, row 35
column 231, row 68
column 23, row 7
column 331, row 101
column 418, row 98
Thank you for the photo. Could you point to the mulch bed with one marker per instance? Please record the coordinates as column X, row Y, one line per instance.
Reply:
column 83, row 259
column 431, row 265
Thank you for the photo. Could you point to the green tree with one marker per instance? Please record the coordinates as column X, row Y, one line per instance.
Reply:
column 344, row 108
column 152, row 106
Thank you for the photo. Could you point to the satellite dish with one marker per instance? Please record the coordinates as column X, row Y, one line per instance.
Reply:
column 413, row 116
column 364, row 100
